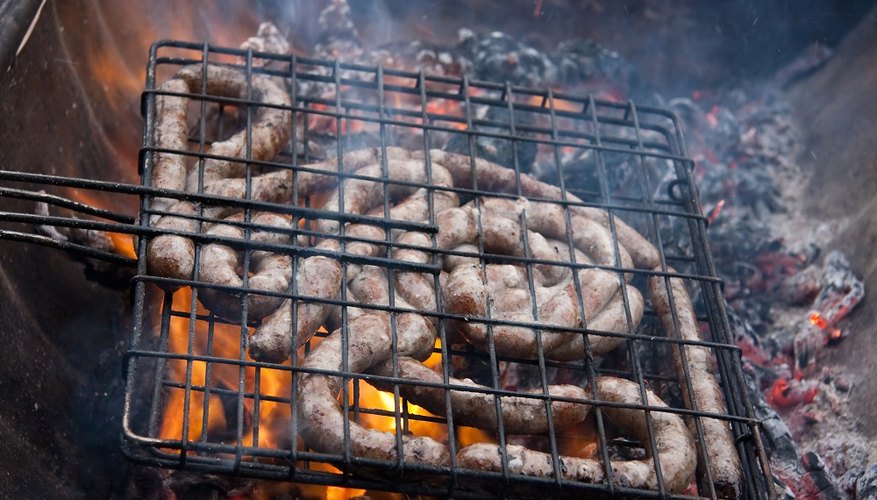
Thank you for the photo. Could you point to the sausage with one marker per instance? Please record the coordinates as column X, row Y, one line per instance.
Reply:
column 500, row 235
column 495, row 178
column 322, row 420
column 169, row 255
column 468, row 290
column 548, row 219
column 611, row 318
column 724, row 463
column 468, row 293
column 675, row 447
column 173, row 256
column 475, row 407
column 270, row 131
column 319, row 277
column 362, row 195
column 277, row 186
column 270, row 271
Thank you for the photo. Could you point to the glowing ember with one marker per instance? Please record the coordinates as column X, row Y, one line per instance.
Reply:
column 817, row 320
column 714, row 213
column 712, row 118
column 785, row 393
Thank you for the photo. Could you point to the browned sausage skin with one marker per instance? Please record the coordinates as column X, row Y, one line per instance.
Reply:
column 674, row 447
column 724, row 463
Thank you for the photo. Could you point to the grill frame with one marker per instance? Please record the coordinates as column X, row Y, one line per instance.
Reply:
column 231, row 459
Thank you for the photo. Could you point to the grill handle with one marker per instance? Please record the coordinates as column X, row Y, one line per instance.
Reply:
column 85, row 239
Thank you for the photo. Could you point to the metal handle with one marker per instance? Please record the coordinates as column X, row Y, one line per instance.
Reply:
column 80, row 237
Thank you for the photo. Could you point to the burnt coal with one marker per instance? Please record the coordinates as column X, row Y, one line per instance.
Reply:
column 500, row 57
column 866, row 486
column 421, row 55
column 581, row 60
column 498, row 150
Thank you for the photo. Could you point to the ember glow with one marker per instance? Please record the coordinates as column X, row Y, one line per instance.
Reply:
column 123, row 243
column 818, row 321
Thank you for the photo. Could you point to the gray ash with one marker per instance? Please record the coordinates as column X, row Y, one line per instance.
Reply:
column 500, row 57
column 420, row 55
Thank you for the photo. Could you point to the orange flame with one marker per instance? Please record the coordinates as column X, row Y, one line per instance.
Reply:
column 124, row 243
column 224, row 377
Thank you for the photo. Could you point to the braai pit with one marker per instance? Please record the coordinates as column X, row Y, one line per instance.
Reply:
column 395, row 345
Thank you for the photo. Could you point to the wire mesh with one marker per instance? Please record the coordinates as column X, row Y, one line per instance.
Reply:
column 196, row 400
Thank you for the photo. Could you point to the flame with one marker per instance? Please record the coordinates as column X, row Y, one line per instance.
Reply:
column 124, row 243
column 820, row 321
column 329, row 123
column 273, row 418
column 223, row 377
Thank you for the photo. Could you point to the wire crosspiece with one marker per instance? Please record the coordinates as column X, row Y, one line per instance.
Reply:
column 402, row 213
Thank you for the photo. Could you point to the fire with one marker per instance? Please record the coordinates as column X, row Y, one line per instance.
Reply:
column 820, row 321
column 124, row 243
column 273, row 418
column 224, row 378
column 329, row 124
column 446, row 107
column 557, row 103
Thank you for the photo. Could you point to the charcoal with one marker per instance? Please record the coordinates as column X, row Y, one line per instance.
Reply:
column 778, row 440
column 420, row 55
column 802, row 288
column 497, row 150
column 841, row 291
column 338, row 39
column 500, row 57
column 759, row 352
column 336, row 23
column 739, row 148
column 581, row 174
column 866, row 486
column 580, row 61
column 824, row 482
column 782, row 490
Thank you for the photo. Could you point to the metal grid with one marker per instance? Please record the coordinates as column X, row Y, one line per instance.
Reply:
column 181, row 354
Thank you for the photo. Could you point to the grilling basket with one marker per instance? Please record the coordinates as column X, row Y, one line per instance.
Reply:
column 357, row 276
